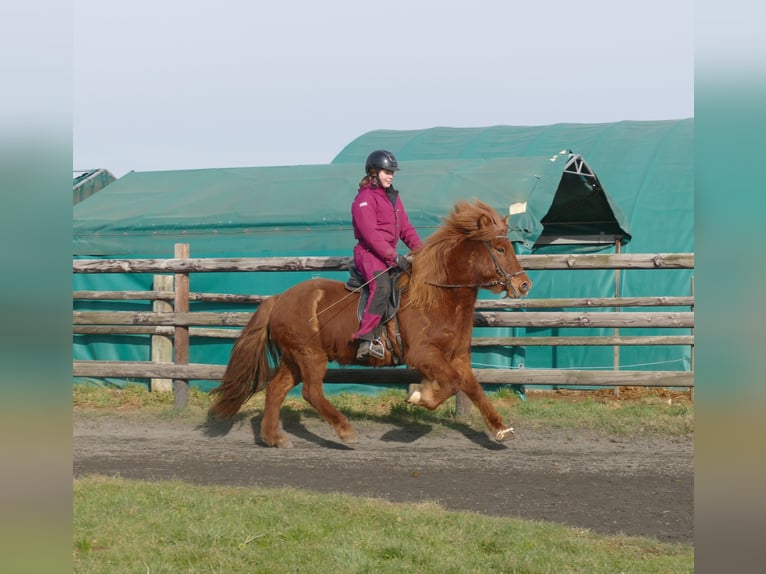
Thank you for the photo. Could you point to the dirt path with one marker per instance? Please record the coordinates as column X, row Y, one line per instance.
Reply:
column 638, row 486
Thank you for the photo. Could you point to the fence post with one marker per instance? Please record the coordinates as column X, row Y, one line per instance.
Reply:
column 462, row 404
column 691, row 357
column 181, row 337
column 162, row 346
column 616, row 350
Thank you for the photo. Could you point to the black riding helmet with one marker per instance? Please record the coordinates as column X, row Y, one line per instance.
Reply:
column 381, row 159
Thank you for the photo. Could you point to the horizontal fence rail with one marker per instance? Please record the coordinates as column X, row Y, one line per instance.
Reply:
column 593, row 302
column 387, row 375
column 481, row 319
column 165, row 324
column 597, row 341
column 245, row 264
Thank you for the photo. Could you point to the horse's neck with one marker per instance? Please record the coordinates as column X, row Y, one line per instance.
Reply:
column 459, row 304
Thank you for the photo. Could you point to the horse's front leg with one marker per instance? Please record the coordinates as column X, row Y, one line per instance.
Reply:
column 442, row 380
column 445, row 379
column 471, row 387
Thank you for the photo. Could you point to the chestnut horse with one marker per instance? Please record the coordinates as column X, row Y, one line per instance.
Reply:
column 293, row 335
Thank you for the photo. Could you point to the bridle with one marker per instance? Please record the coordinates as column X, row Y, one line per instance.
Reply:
column 505, row 282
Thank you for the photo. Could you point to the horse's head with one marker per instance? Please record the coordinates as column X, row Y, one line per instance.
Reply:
column 509, row 275
column 471, row 250
column 503, row 272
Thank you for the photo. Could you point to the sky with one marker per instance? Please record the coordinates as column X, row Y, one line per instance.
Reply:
column 199, row 84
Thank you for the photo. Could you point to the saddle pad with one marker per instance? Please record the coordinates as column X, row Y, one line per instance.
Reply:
column 355, row 282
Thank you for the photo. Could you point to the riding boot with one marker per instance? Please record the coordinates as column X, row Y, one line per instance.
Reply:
column 363, row 352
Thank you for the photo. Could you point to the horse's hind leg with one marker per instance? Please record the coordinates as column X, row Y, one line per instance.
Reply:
column 276, row 391
column 313, row 370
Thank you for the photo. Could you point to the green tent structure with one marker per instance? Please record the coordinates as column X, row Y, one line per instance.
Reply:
column 569, row 188
column 86, row 183
column 647, row 167
column 297, row 210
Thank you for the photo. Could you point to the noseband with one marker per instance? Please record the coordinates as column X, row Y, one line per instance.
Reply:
column 505, row 282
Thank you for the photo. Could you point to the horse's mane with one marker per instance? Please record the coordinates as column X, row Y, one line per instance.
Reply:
column 468, row 221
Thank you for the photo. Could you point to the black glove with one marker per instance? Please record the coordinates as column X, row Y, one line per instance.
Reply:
column 402, row 262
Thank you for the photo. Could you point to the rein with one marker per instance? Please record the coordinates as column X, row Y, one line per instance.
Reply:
column 506, row 282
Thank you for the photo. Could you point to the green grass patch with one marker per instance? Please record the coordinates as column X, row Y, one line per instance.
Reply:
column 642, row 416
column 123, row 526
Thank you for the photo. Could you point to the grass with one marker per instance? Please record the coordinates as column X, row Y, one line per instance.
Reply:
column 636, row 411
column 132, row 526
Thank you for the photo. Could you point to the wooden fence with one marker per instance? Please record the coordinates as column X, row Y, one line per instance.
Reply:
column 170, row 323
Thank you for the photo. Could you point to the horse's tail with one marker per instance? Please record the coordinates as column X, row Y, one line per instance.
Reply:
column 251, row 364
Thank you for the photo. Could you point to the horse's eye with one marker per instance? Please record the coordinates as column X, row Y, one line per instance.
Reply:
column 500, row 249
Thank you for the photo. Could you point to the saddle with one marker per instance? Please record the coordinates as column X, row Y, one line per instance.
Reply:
column 355, row 283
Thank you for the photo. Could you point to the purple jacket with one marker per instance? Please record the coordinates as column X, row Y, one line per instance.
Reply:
column 379, row 225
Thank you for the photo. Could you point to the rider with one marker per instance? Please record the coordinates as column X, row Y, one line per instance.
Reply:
column 379, row 221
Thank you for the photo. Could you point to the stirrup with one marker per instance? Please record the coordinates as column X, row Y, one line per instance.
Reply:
column 377, row 349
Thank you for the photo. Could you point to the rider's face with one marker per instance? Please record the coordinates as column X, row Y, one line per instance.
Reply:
column 386, row 177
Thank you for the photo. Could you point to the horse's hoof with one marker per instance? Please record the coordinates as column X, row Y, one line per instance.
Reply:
column 505, row 434
column 349, row 437
column 286, row 443
column 414, row 397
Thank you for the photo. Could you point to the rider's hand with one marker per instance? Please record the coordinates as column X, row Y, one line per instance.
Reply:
column 402, row 262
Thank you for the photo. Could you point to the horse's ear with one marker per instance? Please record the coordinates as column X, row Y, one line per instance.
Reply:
column 506, row 219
